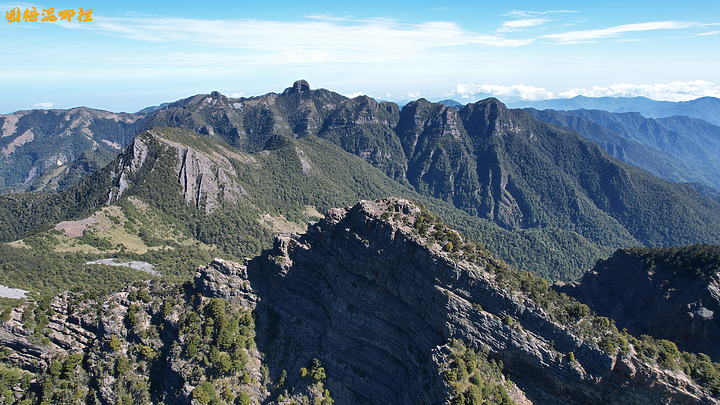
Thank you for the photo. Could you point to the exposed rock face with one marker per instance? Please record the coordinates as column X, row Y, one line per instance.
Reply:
column 651, row 301
column 206, row 177
column 297, row 87
column 378, row 306
column 68, row 333
column 131, row 163
column 227, row 280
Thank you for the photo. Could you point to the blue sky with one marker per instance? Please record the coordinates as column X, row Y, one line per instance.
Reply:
column 136, row 54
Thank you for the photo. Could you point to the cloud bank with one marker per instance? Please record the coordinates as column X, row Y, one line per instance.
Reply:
column 320, row 37
column 576, row 37
column 521, row 91
column 675, row 91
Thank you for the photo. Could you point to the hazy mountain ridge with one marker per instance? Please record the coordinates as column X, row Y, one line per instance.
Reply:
column 679, row 149
column 66, row 176
column 705, row 108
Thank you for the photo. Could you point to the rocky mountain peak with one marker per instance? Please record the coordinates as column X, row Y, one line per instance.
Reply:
column 490, row 116
column 298, row 87
column 206, row 176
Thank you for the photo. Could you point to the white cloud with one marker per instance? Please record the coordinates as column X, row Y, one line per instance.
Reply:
column 356, row 94
column 466, row 90
column 317, row 39
column 237, row 95
column 675, row 91
column 575, row 37
column 529, row 14
column 412, row 94
column 46, row 104
column 519, row 25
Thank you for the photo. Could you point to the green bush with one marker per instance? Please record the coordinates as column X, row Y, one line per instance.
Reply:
column 243, row 399
column 114, row 343
column 204, row 393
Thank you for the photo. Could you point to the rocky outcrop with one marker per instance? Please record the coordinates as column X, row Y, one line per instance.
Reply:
column 227, row 280
column 297, row 87
column 66, row 332
column 648, row 298
column 376, row 302
column 207, row 177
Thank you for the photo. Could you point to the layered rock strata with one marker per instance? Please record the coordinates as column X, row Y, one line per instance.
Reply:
column 651, row 300
column 378, row 304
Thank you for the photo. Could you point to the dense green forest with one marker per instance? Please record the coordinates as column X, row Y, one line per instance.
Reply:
column 691, row 262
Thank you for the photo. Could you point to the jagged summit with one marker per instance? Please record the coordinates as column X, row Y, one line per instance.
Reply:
column 498, row 165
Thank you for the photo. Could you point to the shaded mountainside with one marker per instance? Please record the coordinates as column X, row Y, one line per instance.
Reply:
column 506, row 166
column 63, row 177
column 671, row 294
column 378, row 303
column 680, row 149
column 39, row 141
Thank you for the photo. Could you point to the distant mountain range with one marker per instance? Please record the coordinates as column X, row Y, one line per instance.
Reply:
column 45, row 142
column 676, row 148
column 705, row 108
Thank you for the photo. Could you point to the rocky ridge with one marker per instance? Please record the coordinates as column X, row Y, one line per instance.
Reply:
column 206, row 176
column 356, row 272
column 492, row 162
column 540, row 183
column 376, row 293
